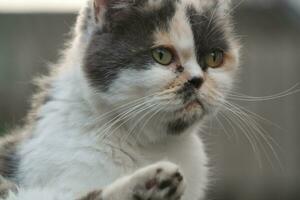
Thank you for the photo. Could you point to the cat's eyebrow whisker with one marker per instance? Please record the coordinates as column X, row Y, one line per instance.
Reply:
column 213, row 15
column 234, row 8
column 211, row 32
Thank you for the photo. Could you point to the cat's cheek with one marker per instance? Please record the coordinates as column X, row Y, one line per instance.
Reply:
column 217, row 84
column 138, row 83
column 223, row 80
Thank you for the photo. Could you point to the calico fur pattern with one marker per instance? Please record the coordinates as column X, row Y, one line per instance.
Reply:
column 100, row 127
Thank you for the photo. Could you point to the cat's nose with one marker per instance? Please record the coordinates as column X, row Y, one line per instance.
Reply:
column 196, row 82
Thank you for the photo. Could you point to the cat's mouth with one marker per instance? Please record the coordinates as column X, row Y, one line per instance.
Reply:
column 190, row 113
column 193, row 104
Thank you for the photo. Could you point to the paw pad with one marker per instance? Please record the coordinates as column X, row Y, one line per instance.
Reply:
column 166, row 183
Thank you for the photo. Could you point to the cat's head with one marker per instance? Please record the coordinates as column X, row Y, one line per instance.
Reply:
column 163, row 65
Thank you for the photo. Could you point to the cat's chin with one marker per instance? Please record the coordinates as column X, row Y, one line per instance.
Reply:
column 185, row 118
column 193, row 105
column 192, row 108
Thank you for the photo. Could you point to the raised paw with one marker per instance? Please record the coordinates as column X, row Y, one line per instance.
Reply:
column 162, row 181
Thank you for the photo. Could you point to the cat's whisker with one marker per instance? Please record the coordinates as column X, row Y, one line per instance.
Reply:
column 288, row 92
column 223, row 127
column 233, row 9
column 120, row 108
column 255, row 115
column 243, row 126
column 151, row 117
column 250, row 122
column 257, row 99
column 125, row 107
column 107, row 126
column 142, row 118
column 213, row 15
column 259, row 118
column 132, row 116
column 230, row 124
column 263, row 133
column 113, row 116
column 131, row 132
column 247, row 115
column 129, row 114
column 210, row 34
column 128, row 104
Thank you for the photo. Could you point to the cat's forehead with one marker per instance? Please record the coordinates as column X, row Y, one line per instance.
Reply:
column 194, row 24
column 199, row 5
column 179, row 34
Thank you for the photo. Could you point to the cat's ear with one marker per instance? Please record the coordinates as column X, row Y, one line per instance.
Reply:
column 100, row 7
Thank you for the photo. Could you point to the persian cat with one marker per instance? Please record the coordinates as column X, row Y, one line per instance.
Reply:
column 119, row 117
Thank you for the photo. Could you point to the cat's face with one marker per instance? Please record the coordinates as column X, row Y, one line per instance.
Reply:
column 170, row 61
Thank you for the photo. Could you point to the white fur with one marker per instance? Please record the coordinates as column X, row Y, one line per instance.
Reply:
column 68, row 156
column 39, row 194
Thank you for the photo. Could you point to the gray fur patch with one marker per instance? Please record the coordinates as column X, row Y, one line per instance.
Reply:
column 178, row 126
column 9, row 159
column 209, row 33
column 125, row 42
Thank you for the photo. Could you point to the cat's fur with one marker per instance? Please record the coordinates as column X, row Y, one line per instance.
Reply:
column 110, row 123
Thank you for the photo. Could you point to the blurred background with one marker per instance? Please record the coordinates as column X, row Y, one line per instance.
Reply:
column 253, row 157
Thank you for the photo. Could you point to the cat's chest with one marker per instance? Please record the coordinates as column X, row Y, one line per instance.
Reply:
column 100, row 168
column 188, row 153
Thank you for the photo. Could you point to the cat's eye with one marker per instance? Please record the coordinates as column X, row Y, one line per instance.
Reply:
column 214, row 59
column 162, row 55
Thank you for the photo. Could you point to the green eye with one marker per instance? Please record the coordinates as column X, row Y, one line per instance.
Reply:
column 214, row 59
column 162, row 55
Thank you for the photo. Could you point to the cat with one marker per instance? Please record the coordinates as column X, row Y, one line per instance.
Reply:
column 119, row 117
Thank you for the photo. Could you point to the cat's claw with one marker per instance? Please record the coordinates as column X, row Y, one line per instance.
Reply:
column 163, row 181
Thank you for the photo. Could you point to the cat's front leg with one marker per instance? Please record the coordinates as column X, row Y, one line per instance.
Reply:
column 161, row 181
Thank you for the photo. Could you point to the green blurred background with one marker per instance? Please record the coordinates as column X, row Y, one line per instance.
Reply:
column 270, row 33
